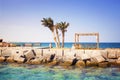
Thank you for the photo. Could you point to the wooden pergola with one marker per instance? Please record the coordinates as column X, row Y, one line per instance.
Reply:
column 77, row 37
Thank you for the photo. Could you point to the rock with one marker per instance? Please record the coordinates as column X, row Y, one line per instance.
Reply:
column 53, row 63
column 118, row 62
column 2, row 59
column 10, row 59
column 118, row 53
column 38, row 52
column 17, row 52
column 112, row 54
column 93, row 53
column 1, row 44
column 69, row 56
column 35, row 61
column 103, row 64
column 20, row 60
column 104, row 54
column 78, row 54
column 6, row 52
column 119, row 59
column 85, row 56
column 91, row 64
column 17, row 55
column 66, row 63
column 74, row 61
column 99, row 59
column 58, row 55
column 0, row 51
column 47, row 55
column 112, row 62
column 30, row 54
column 80, row 63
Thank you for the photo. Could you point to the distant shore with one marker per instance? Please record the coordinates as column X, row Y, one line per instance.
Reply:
column 62, row 57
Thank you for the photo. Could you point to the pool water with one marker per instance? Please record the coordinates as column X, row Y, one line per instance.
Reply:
column 40, row 72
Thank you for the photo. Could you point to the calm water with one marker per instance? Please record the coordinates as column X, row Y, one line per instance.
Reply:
column 38, row 72
column 69, row 44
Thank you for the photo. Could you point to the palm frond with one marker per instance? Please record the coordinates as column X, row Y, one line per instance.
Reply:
column 62, row 26
column 48, row 22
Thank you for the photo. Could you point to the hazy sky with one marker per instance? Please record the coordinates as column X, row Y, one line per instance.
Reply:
column 20, row 19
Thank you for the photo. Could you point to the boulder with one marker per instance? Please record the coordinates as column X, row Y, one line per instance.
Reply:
column 78, row 54
column 53, row 63
column 98, row 59
column 66, row 63
column 17, row 55
column 112, row 54
column 85, row 56
column 0, row 51
column 10, row 59
column 1, row 44
column 6, row 52
column 35, row 61
column 20, row 60
column 80, row 63
column 118, row 53
column 91, row 63
column 17, row 52
column 104, row 54
column 103, row 64
column 93, row 53
column 58, row 55
column 29, row 54
column 38, row 52
column 47, row 55
column 69, row 56
column 112, row 62
column 2, row 59
column 118, row 59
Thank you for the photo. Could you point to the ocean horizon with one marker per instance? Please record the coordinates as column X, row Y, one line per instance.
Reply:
column 69, row 44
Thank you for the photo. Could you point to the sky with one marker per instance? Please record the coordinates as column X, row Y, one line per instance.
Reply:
column 20, row 20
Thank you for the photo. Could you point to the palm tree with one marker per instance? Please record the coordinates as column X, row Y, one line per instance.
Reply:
column 62, row 27
column 48, row 22
column 57, row 35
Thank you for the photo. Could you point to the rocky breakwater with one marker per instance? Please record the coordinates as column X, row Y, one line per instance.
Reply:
column 66, row 57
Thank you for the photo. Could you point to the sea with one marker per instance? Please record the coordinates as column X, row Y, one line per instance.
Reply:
column 69, row 44
column 14, row 71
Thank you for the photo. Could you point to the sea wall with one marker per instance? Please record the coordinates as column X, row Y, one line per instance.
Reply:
column 66, row 57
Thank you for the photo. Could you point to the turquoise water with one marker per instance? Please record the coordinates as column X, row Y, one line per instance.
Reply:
column 39, row 72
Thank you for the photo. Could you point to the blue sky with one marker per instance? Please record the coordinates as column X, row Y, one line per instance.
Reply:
column 20, row 19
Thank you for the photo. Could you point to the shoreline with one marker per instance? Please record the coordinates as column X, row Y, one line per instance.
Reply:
column 61, row 57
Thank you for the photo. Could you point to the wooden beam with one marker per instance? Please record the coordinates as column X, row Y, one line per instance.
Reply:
column 77, row 36
column 87, row 34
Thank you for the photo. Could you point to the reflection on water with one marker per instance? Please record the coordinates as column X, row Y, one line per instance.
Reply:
column 37, row 72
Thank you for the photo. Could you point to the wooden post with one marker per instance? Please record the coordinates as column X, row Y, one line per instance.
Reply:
column 97, row 40
column 75, row 38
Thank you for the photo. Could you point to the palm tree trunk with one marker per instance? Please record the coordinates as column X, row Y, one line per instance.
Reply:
column 57, row 37
column 63, row 36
